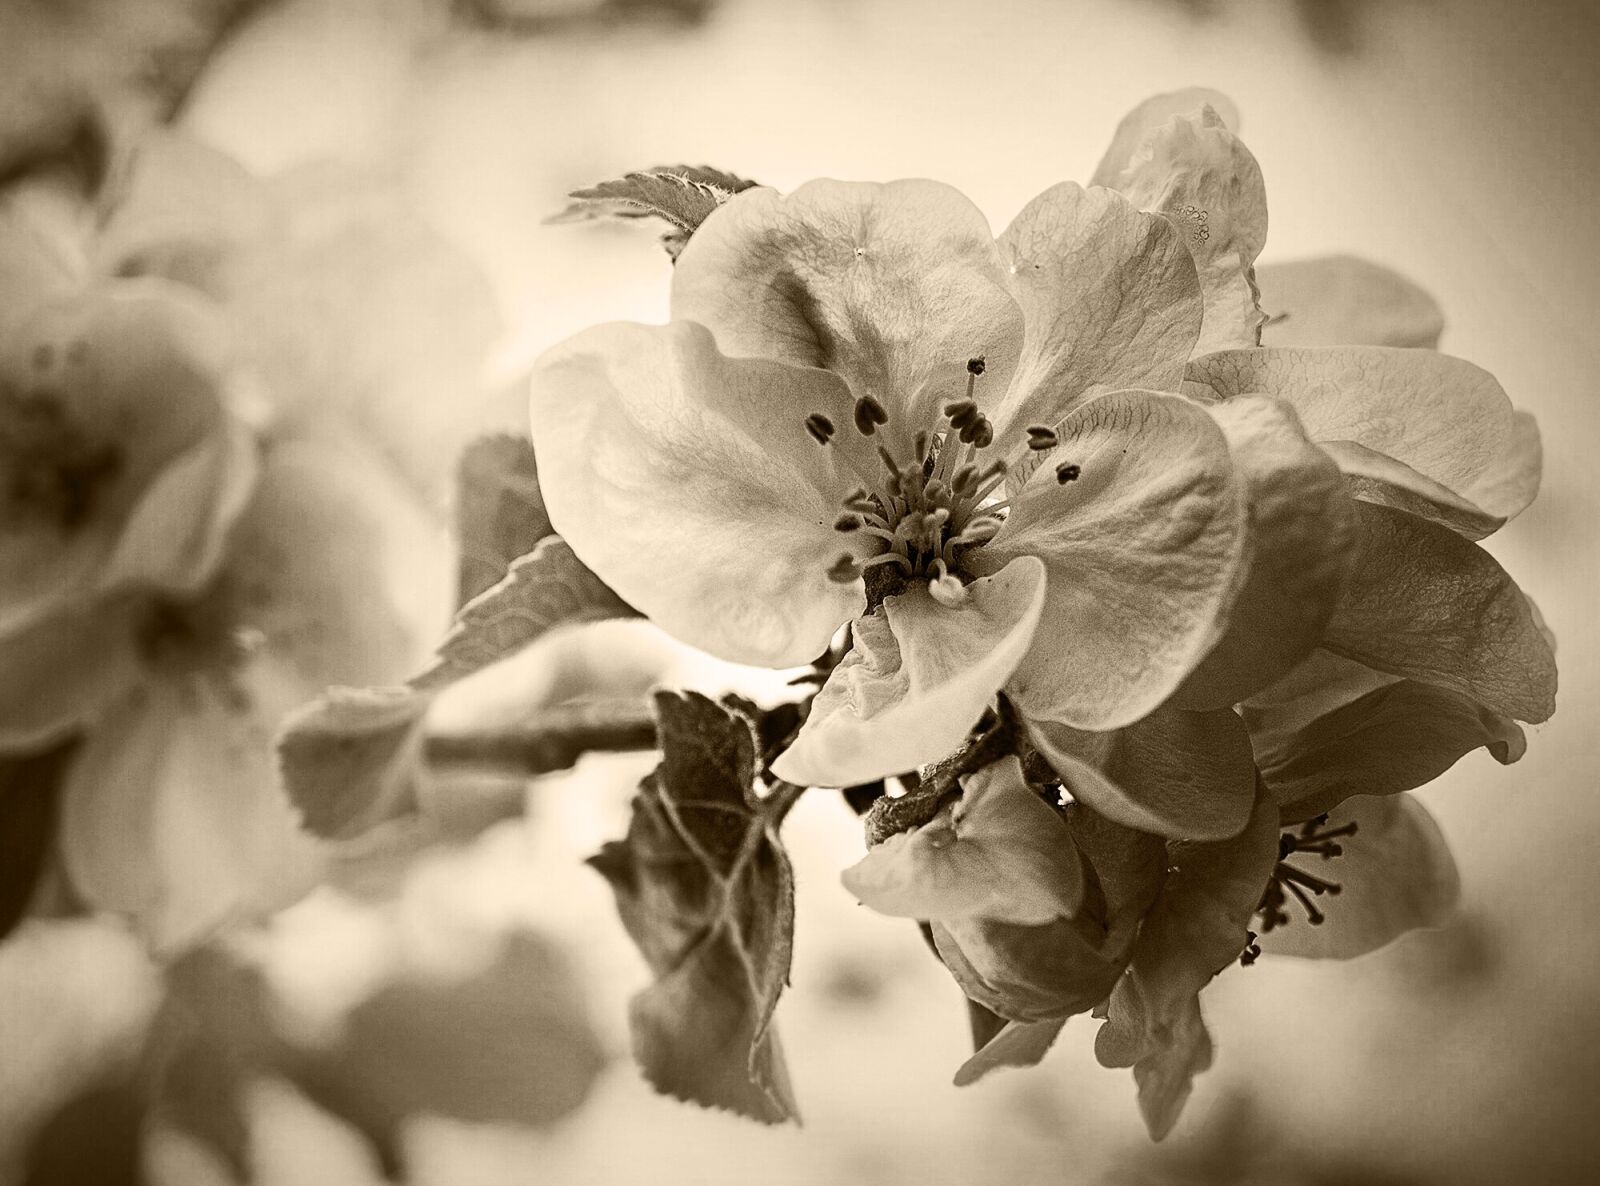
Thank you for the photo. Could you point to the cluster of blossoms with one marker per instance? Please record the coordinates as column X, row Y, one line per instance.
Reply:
column 1143, row 613
column 194, row 535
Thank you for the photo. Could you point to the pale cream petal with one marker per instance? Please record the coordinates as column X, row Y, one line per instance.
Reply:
column 687, row 481
column 1342, row 300
column 894, row 287
column 1109, row 297
column 1145, row 547
column 918, row 679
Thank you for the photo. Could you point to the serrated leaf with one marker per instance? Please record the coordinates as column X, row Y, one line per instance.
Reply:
column 683, row 196
column 500, row 513
column 30, row 789
column 349, row 759
column 705, row 890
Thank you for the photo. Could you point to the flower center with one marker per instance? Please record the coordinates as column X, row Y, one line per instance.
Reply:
column 1290, row 881
column 50, row 469
column 926, row 510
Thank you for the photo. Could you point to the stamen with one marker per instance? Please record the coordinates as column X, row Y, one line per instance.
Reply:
column 847, row 523
column 869, row 413
column 947, row 590
column 976, row 366
column 961, row 412
column 845, row 569
column 965, row 483
column 820, row 428
column 1067, row 473
column 1041, row 439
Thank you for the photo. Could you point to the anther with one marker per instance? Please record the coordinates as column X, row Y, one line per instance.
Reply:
column 820, row 428
column 961, row 412
column 965, row 482
column 847, row 523
column 1042, row 439
column 1067, row 473
column 975, row 366
column 869, row 413
column 844, row 570
column 984, row 436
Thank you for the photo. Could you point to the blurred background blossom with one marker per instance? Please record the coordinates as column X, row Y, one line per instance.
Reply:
column 385, row 169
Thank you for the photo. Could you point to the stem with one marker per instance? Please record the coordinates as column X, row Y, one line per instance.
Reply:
column 554, row 742
column 940, row 783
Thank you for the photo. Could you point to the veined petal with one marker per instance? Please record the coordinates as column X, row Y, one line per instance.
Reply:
column 1153, row 113
column 1109, row 297
column 101, row 396
column 687, row 481
column 172, row 815
column 1395, row 738
column 1302, row 527
column 1027, row 973
column 1189, row 166
column 1395, row 875
column 1322, row 684
column 1445, row 418
column 894, row 287
column 1182, row 775
column 1427, row 604
column 999, row 852
column 1342, row 300
column 1376, row 477
column 917, row 680
column 1145, row 549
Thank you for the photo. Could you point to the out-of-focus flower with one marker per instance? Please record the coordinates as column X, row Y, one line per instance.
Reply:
column 181, row 567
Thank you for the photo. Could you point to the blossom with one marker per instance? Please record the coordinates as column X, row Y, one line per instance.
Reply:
column 179, row 569
column 868, row 410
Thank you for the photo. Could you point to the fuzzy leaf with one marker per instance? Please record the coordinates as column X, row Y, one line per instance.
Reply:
column 706, row 892
column 681, row 195
column 349, row 758
column 500, row 513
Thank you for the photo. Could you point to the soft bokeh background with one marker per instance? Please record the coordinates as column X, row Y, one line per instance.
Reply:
column 1451, row 139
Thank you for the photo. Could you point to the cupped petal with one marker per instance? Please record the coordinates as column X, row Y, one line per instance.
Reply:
column 102, row 395
column 1443, row 417
column 1109, row 297
column 918, row 679
column 1343, row 300
column 172, row 815
column 1426, row 604
column 1027, row 973
column 1135, row 127
column 62, row 671
column 1182, row 775
column 1395, row 738
column 1190, row 166
column 894, row 287
column 999, row 852
column 1195, row 929
column 1378, row 478
column 1395, row 874
column 1145, row 547
column 1302, row 527
column 686, row 479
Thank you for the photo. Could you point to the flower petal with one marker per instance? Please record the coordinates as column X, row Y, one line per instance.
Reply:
column 1018, row 1044
column 1395, row 738
column 1301, row 537
column 1375, row 477
column 1027, row 973
column 1183, row 775
column 62, row 671
column 1341, row 300
column 172, row 814
column 102, row 395
column 1395, row 875
column 1195, row 929
column 1189, row 166
column 918, row 679
column 1109, row 297
column 1445, row 418
column 894, row 287
column 1145, row 548
column 998, row 852
column 337, row 566
column 1427, row 604
column 687, row 481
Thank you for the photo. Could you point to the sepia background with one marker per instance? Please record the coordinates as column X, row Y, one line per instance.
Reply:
column 1453, row 140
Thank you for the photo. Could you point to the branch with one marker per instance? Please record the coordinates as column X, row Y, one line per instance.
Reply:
column 554, row 742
